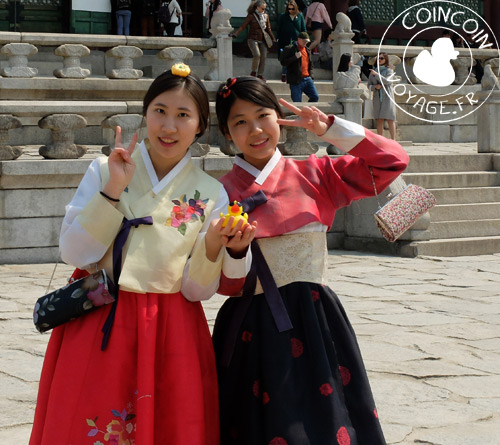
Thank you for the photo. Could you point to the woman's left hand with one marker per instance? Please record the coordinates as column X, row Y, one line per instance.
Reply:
column 310, row 118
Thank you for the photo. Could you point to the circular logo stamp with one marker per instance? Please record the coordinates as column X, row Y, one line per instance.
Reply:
column 441, row 81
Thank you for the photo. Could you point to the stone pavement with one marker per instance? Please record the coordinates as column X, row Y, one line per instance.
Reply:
column 428, row 328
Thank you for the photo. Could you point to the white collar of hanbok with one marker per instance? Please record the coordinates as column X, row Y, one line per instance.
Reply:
column 158, row 186
column 260, row 175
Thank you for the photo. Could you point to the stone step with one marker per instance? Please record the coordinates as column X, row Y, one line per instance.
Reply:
column 450, row 163
column 452, row 247
column 456, row 212
column 464, row 228
column 453, row 179
column 466, row 195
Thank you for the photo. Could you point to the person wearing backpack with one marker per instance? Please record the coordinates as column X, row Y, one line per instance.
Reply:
column 168, row 16
column 123, row 16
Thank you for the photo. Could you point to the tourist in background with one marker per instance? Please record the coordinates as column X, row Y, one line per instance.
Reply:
column 297, row 59
column 256, row 20
column 325, row 50
column 358, row 24
column 212, row 6
column 123, row 17
column 148, row 11
column 175, row 13
column 290, row 24
column 316, row 16
column 380, row 83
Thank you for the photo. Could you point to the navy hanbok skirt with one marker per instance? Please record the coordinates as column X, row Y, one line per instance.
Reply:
column 305, row 386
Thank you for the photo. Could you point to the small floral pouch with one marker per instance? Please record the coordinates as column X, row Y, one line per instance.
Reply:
column 402, row 211
column 69, row 302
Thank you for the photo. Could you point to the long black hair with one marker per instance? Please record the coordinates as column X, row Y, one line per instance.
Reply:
column 344, row 62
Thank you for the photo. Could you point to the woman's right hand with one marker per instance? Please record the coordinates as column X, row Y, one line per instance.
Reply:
column 121, row 166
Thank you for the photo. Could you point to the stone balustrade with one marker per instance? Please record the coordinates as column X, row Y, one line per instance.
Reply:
column 63, row 128
column 8, row 152
column 72, row 53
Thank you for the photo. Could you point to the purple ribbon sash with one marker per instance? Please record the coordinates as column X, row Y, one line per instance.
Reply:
column 120, row 241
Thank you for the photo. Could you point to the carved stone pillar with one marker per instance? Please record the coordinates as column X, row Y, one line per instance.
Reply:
column 18, row 59
column 228, row 147
column 212, row 57
column 296, row 142
column 129, row 123
column 342, row 39
column 175, row 54
column 124, row 68
column 221, row 28
column 199, row 150
column 488, row 130
column 62, row 127
column 7, row 152
column 350, row 99
column 463, row 74
column 72, row 54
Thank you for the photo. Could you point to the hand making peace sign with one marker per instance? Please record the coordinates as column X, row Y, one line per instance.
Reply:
column 310, row 118
column 121, row 166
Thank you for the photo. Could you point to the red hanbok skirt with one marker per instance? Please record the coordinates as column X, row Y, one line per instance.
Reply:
column 156, row 382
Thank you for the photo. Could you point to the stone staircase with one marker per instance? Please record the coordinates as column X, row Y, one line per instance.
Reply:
column 466, row 220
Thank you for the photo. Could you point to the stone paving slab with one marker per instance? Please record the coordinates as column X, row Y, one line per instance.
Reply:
column 428, row 329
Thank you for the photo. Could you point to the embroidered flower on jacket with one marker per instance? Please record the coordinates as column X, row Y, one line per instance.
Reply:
column 246, row 336
column 186, row 210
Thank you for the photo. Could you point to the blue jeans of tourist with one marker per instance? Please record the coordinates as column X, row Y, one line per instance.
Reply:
column 305, row 86
column 123, row 17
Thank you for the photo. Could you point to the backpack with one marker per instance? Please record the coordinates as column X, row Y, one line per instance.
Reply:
column 164, row 14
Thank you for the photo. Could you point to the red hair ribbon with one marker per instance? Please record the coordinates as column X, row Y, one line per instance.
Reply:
column 226, row 89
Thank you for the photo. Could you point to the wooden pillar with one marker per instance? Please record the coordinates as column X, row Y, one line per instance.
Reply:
column 492, row 17
column 336, row 6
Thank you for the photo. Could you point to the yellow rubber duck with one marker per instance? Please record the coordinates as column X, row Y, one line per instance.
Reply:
column 235, row 209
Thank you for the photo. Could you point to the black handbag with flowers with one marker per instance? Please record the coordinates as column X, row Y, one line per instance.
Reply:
column 88, row 293
column 73, row 300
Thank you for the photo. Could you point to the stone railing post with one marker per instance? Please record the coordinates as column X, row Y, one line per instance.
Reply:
column 63, row 128
column 7, row 152
column 72, row 54
column 463, row 73
column 175, row 54
column 129, row 123
column 124, row 68
column 488, row 130
column 221, row 27
column 212, row 56
column 342, row 39
column 18, row 60
column 296, row 142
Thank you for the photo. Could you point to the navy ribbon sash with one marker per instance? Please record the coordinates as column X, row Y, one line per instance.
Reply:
column 120, row 241
column 259, row 269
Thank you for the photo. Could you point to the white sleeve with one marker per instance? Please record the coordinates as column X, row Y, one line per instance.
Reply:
column 77, row 246
column 231, row 267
